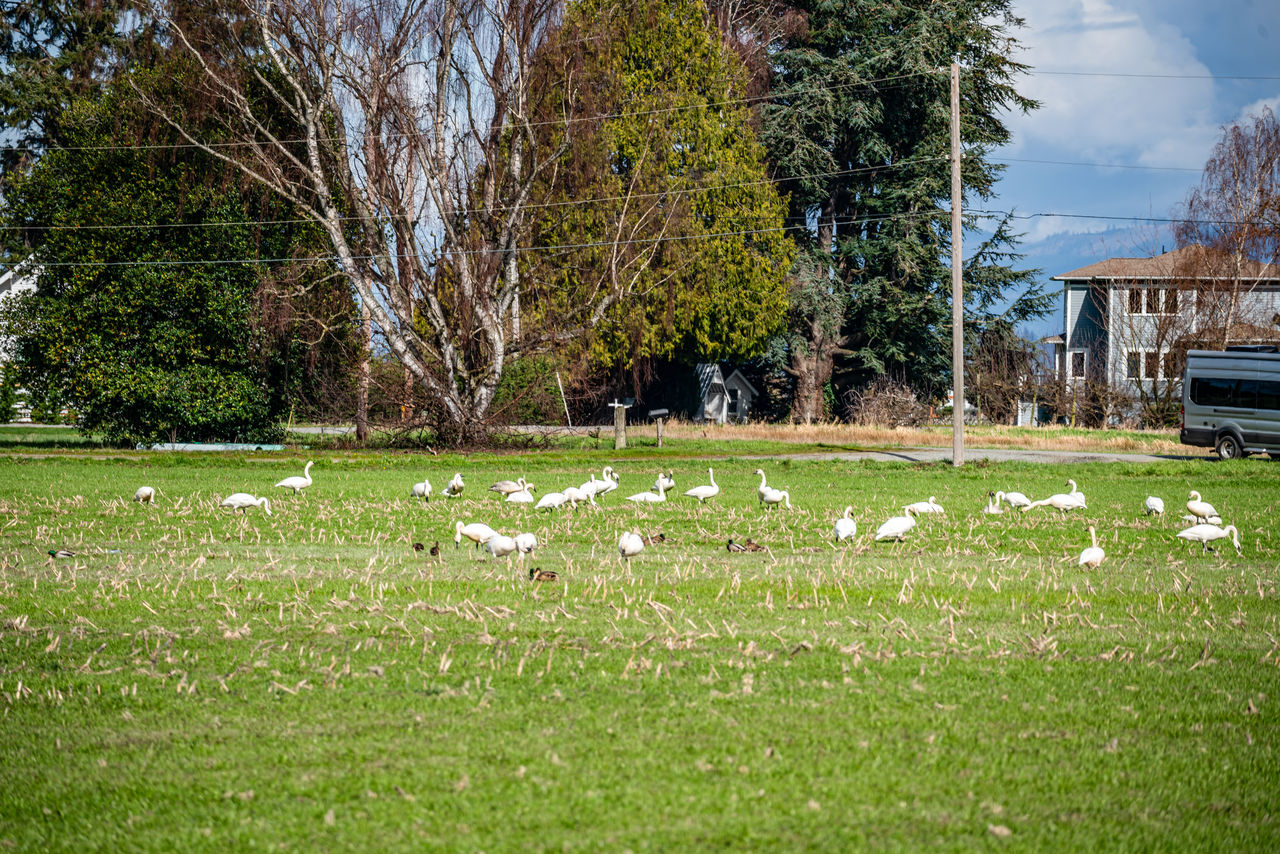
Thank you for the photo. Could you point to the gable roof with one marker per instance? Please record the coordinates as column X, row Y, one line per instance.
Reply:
column 709, row 378
column 1186, row 262
column 746, row 382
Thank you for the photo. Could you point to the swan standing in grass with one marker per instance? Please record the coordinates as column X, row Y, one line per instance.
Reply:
column 1093, row 555
column 576, row 496
column 994, row 500
column 603, row 487
column 500, row 545
column 651, row 497
column 1202, row 510
column 455, row 487
column 506, row 487
column 421, row 490
column 1193, row 520
column 846, row 527
column 551, row 501
column 930, row 506
column 897, row 527
column 592, row 487
column 476, row 532
column 768, row 495
column 144, row 495
column 1153, row 506
column 708, row 491
column 1206, row 533
column 1014, row 499
column 526, row 543
column 1060, row 501
column 666, row 481
column 297, row 484
column 1076, row 493
column 242, row 501
column 523, row 495
column 630, row 545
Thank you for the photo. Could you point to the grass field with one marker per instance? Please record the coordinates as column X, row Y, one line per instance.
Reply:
column 193, row 680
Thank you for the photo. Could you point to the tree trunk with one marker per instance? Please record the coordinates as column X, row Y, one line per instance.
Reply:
column 362, row 382
column 812, row 369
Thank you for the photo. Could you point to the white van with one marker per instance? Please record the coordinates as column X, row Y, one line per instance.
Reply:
column 1231, row 401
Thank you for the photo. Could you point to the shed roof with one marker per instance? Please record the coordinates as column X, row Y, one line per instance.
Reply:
column 709, row 378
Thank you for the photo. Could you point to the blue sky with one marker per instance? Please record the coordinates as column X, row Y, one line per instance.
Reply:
column 1158, row 131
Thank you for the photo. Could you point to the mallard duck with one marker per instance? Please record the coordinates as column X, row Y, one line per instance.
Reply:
column 731, row 546
column 536, row 574
column 57, row 553
column 653, row 539
column 752, row 546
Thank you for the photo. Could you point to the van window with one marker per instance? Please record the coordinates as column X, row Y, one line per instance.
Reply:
column 1212, row 391
column 1269, row 394
column 1246, row 394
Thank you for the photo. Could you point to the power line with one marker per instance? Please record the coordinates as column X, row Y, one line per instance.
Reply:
column 1101, row 165
column 1138, row 74
column 902, row 216
column 469, row 211
column 818, row 86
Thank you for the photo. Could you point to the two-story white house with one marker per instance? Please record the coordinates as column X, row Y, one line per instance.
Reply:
column 1130, row 321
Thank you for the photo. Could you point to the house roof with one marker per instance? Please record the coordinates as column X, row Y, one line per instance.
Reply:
column 709, row 378
column 746, row 382
column 1186, row 262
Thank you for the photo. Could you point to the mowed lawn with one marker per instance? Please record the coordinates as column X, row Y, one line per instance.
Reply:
column 196, row 680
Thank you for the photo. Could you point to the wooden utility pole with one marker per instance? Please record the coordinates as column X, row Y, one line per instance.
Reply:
column 957, row 282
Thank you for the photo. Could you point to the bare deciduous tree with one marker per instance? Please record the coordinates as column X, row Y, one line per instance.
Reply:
column 410, row 140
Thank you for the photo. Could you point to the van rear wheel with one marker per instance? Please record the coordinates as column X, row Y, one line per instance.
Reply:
column 1228, row 447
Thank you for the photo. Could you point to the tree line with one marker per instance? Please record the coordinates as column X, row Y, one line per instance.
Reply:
column 238, row 211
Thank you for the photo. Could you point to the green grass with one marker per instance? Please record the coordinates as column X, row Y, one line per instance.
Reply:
column 194, row 680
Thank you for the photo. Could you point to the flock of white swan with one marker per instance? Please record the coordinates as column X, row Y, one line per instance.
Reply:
column 1206, row 524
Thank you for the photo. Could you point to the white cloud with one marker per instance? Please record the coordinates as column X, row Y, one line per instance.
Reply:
column 1153, row 121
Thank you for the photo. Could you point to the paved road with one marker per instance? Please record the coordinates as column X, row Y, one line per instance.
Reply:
column 934, row 455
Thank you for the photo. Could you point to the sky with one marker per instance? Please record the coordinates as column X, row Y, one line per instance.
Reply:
column 1144, row 86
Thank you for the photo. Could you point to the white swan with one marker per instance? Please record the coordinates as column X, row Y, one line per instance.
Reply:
column 1093, row 555
column 1212, row 520
column 846, row 527
column 705, row 492
column 1153, row 506
column 1206, row 533
column 760, row 491
column 630, row 545
column 476, row 532
column 897, row 527
column 551, row 501
column 1200, row 509
column 1015, row 499
column 668, row 481
column 576, row 496
column 500, row 545
column 650, row 497
column 526, row 543
column 421, row 490
column 773, row 496
column 506, row 487
column 994, row 500
column 609, row 484
column 242, row 501
column 297, row 484
column 455, row 487
column 930, row 506
column 523, row 495
column 144, row 495
column 1060, row 501
column 1075, row 492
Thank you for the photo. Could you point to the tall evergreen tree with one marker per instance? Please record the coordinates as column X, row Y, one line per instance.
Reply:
column 858, row 132
column 662, row 196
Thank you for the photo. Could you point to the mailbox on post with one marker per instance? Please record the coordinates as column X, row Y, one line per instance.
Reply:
column 657, row 415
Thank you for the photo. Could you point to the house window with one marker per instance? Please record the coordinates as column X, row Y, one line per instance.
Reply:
column 1077, row 365
column 1152, row 300
column 1171, row 301
column 1151, row 365
column 1135, row 300
column 1132, row 363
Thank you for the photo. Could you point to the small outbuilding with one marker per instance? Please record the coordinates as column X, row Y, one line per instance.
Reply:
column 722, row 399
